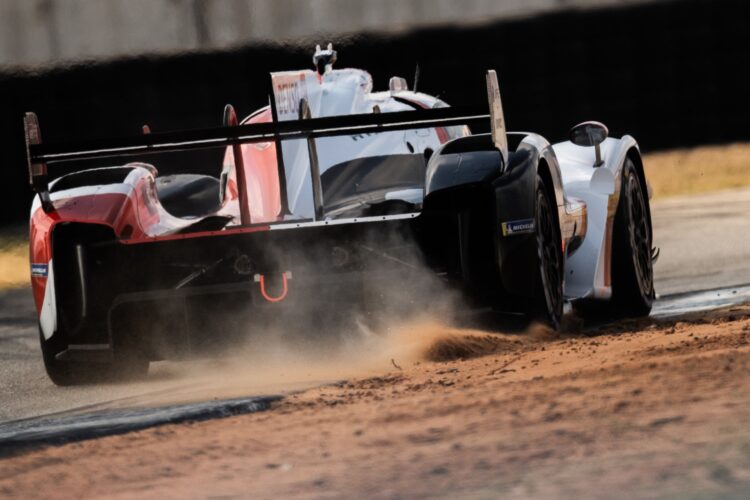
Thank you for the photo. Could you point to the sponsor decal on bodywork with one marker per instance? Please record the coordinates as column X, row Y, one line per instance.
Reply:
column 522, row 226
column 39, row 270
column 289, row 89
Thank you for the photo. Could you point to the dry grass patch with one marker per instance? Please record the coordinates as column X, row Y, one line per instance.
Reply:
column 698, row 170
column 14, row 258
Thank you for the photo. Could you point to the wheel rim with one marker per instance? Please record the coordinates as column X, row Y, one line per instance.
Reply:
column 640, row 236
column 550, row 265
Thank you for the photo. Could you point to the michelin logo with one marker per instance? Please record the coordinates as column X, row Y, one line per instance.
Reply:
column 523, row 226
column 39, row 270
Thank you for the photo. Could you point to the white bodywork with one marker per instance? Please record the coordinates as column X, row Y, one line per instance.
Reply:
column 48, row 314
column 338, row 93
column 587, row 271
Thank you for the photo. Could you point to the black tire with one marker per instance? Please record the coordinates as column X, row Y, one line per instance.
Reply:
column 632, row 264
column 128, row 364
column 548, row 295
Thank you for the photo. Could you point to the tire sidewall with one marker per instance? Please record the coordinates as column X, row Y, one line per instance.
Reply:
column 129, row 364
column 546, row 309
column 629, row 292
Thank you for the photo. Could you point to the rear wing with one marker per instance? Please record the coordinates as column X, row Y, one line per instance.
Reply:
column 40, row 155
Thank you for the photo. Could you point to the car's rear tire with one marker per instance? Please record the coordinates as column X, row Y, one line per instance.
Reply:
column 128, row 364
column 548, row 287
column 632, row 263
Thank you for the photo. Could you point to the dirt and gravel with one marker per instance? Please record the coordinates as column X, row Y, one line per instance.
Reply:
column 648, row 408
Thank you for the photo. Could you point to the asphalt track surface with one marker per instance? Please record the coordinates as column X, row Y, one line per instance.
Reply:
column 705, row 246
column 704, row 241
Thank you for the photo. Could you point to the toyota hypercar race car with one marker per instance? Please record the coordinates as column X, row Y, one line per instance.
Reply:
column 329, row 189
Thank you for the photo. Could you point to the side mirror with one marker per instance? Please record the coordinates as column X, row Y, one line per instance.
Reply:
column 590, row 134
column 397, row 84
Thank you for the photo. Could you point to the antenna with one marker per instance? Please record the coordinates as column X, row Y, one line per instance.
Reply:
column 416, row 77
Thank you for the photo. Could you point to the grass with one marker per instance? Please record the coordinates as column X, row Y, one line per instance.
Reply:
column 698, row 170
column 670, row 173
column 14, row 257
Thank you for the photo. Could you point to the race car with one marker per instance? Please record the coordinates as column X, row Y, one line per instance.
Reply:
column 320, row 196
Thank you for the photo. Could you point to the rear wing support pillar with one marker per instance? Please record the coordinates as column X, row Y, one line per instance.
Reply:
column 312, row 149
column 230, row 120
column 279, row 159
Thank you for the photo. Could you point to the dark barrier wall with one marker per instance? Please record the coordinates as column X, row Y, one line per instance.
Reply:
column 671, row 74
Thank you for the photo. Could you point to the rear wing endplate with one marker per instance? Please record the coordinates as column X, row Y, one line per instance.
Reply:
column 497, row 117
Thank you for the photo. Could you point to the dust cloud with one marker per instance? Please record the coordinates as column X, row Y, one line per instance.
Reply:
column 404, row 315
column 272, row 366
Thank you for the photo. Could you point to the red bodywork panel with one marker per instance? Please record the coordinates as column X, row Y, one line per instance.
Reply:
column 261, row 174
column 136, row 216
